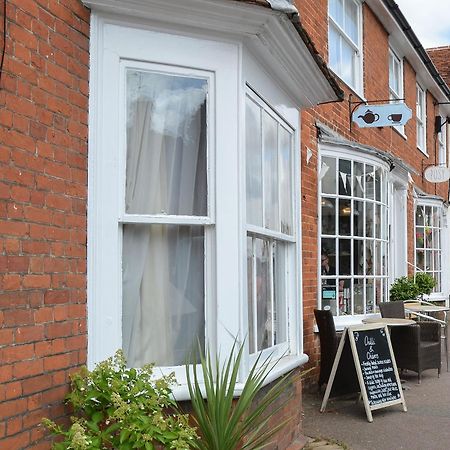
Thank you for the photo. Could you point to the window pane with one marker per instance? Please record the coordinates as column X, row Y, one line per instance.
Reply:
column 344, row 256
column 378, row 219
column 378, row 185
column 358, row 296
column 271, row 201
column 369, row 219
column 419, row 215
column 345, row 177
column 163, row 315
column 253, row 163
column 358, row 257
column 358, row 218
column 370, row 182
column 328, row 257
column 279, row 303
column 428, row 215
column 345, row 214
column 328, row 215
column 286, row 181
column 250, row 291
column 420, row 240
column 358, row 180
column 328, row 172
column 351, row 20
column 166, row 169
column 370, row 295
column 345, row 300
column 336, row 8
column 334, row 46
column 348, row 64
column 370, row 254
column 263, row 294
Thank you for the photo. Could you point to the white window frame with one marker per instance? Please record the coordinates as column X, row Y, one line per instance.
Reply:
column 345, row 153
column 421, row 119
column 442, row 143
column 357, row 47
column 232, row 69
column 393, row 94
column 437, row 295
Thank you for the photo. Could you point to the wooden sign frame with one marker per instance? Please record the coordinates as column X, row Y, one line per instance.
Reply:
column 348, row 332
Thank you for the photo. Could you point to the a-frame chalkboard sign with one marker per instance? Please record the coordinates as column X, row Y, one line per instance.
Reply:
column 375, row 366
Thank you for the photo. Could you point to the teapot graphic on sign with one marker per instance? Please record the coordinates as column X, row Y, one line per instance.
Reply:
column 369, row 117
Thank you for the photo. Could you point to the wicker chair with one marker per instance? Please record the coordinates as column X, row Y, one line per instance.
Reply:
column 346, row 380
column 416, row 347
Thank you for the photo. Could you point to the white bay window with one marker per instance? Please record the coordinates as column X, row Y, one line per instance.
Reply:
column 193, row 221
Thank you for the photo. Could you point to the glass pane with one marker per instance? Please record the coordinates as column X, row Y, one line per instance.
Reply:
column 378, row 220
column 358, row 296
column 344, row 256
column 253, row 153
column 345, row 214
column 328, row 215
column 436, row 239
column 250, row 288
column 436, row 217
column 263, row 300
column 378, row 185
column 370, row 253
column 271, row 201
column 336, row 9
column 351, row 20
column 163, row 312
column 345, row 300
column 347, row 64
column 428, row 260
column 437, row 277
column 379, row 291
column 420, row 260
column 428, row 237
column 420, row 242
column 328, row 257
column 286, row 181
column 358, row 257
column 166, row 169
column 437, row 261
column 370, row 295
column 369, row 219
column 358, row 218
column 334, row 49
column 378, row 260
column 328, row 175
column 370, row 182
column 428, row 215
column 419, row 215
column 329, row 295
column 358, row 180
column 279, row 304
column 384, row 258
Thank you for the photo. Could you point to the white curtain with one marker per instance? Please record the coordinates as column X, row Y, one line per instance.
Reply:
column 163, row 265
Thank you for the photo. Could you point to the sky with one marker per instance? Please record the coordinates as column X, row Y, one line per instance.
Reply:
column 430, row 20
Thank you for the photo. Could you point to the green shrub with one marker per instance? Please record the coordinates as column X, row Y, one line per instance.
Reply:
column 425, row 283
column 403, row 288
column 122, row 409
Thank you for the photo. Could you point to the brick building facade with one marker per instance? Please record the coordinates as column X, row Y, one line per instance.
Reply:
column 63, row 61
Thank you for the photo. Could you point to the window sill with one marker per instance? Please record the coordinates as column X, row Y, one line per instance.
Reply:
column 359, row 94
column 401, row 133
column 342, row 322
column 424, row 152
column 285, row 365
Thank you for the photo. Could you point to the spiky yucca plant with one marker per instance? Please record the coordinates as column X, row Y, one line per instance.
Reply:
column 225, row 423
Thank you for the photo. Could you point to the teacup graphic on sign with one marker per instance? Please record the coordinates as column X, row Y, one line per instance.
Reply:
column 395, row 117
column 369, row 117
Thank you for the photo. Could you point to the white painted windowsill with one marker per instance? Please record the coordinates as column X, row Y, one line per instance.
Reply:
column 284, row 366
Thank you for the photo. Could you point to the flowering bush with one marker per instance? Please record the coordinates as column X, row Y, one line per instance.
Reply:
column 121, row 408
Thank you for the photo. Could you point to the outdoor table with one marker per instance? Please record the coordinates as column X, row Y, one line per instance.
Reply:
column 424, row 310
column 394, row 322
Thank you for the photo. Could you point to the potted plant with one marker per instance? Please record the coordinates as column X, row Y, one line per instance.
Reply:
column 122, row 409
column 403, row 288
column 425, row 283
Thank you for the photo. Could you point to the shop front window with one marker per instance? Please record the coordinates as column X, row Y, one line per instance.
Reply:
column 428, row 242
column 354, row 235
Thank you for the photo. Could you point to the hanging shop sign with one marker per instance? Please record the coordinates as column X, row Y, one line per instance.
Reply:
column 437, row 174
column 392, row 114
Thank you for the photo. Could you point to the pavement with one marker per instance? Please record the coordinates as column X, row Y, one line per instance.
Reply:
column 343, row 425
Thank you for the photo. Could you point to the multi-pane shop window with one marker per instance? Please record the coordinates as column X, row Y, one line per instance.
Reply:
column 428, row 242
column 421, row 119
column 354, row 235
column 344, row 45
column 270, row 224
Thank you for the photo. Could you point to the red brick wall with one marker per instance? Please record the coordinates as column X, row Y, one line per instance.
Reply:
column 336, row 115
column 43, row 187
column 441, row 59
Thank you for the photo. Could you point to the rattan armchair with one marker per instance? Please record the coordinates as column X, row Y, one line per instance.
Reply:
column 416, row 347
